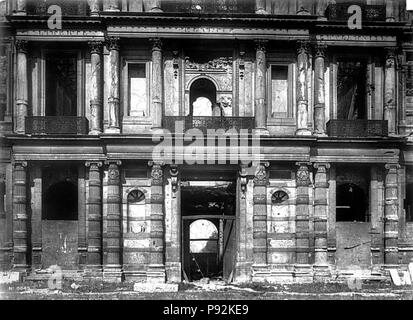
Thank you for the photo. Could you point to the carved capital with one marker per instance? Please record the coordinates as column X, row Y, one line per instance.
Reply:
column 390, row 56
column 113, row 171
column 321, row 167
column 95, row 47
column 320, row 50
column 113, row 43
column 20, row 164
column 303, row 174
column 93, row 165
column 156, row 44
column 260, row 177
column 261, row 45
column 22, row 46
column 303, row 47
column 392, row 167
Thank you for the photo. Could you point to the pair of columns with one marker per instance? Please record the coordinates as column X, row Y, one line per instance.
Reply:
column 96, row 102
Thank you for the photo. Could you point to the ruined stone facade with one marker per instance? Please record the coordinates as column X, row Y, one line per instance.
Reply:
column 330, row 194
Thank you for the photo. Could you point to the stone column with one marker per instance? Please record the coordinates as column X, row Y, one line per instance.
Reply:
column 390, row 10
column 114, row 76
column 302, row 226
column 21, row 86
column 302, row 8
column 260, row 86
column 390, row 90
column 96, row 88
column 94, row 217
column 320, row 218
column 94, row 7
column 157, row 83
column 112, row 225
column 319, row 91
column 21, row 7
column 3, row 222
column 302, row 89
column 260, row 216
column 20, row 217
column 111, row 5
column 153, row 5
column 391, row 215
column 156, row 270
column 260, row 7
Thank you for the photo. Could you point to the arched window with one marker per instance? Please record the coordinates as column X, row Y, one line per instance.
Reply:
column 351, row 203
column 279, row 197
column 135, row 196
column 60, row 201
column 203, row 235
column 203, row 97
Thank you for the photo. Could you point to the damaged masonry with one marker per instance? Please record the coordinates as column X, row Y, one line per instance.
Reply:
column 328, row 196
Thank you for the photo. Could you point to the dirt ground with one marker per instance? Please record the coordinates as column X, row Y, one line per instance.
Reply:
column 97, row 290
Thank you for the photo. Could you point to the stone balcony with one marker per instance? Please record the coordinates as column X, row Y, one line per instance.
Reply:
column 357, row 128
column 56, row 125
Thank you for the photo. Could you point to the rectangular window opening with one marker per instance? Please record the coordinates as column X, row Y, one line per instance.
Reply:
column 279, row 91
column 137, row 90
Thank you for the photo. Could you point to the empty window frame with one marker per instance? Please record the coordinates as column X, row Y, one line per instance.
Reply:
column 280, row 91
column 137, row 90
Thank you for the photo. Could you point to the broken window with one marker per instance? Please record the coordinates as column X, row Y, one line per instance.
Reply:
column 351, row 89
column 138, row 98
column 61, row 84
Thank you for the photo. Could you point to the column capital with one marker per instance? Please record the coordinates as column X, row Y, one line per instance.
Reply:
column 156, row 44
column 95, row 47
column 261, row 45
column 113, row 43
column 390, row 53
column 392, row 166
column 321, row 166
column 156, row 172
column 20, row 163
column 113, row 162
column 303, row 174
column 303, row 46
column 260, row 176
column 320, row 50
column 22, row 46
column 93, row 164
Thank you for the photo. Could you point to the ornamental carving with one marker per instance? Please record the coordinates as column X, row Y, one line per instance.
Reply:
column 320, row 50
column 223, row 64
column 21, row 46
column 156, row 44
column 112, row 43
column 95, row 47
column 156, row 173
column 303, row 175
column 260, row 178
column 302, row 47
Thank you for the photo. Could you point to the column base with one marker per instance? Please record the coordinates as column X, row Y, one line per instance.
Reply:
column 156, row 273
column 95, row 132
column 112, row 130
column 173, row 272
column 303, row 273
column 261, row 132
column 112, row 273
column 303, row 132
column 261, row 11
column 321, row 272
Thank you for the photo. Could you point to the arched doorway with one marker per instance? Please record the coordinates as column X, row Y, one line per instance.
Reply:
column 202, row 98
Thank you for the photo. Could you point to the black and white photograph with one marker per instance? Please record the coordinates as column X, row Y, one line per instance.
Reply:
column 217, row 152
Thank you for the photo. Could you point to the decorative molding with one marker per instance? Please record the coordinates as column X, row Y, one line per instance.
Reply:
column 156, row 172
column 223, row 64
column 94, row 165
column 320, row 50
column 303, row 47
column 173, row 171
column 175, row 63
column 260, row 177
column 95, row 47
column 156, row 44
column 261, row 45
column 303, row 174
column 22, row 46
column 113, row 171
column 113, row 43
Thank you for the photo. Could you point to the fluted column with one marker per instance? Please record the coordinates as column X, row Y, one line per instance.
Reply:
column 21, row 7
column 94, row 7
column 156, row 269
column 319, row 91
column 20, row 217
column 157, row 83
column 320, row 218
column 111, row 5
column 391, row 215
column 390, row 90
column 302, row 89
column 260, row 7
column 260, row 86
column 21, row 86
column 94, row 217
column 114, row 76
column 260, row 215
column 96, row 88
column 302, row 225
column 112, row 227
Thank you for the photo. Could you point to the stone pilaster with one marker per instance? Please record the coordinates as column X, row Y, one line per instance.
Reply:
column 21, row 86
column 94, row 7
column 112, row 225
column 302, row 225
column 302, row 89
column 156, row 270
column 36, row 217
column 111, row 5
column 20, row 217
column 112, row 44
column 319, row 91
column 94, row 217
column 320, row 219
column 3, row 222
column 21, row 7
column 390, row 89
column 157, row 83
column 260, row 86
column 391, row 215
column 260, row 7
column 96, row 88
column 260, row 216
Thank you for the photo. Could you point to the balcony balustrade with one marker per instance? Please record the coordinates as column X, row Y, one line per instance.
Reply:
column 357, row 128
column 57, row 125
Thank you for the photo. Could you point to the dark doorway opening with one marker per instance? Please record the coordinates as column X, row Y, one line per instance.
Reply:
column 351, row 203
column 208, row 231
column 60, row 201
column 203, row 93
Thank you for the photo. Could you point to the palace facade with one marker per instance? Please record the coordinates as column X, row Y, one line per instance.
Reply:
column 324, row 89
